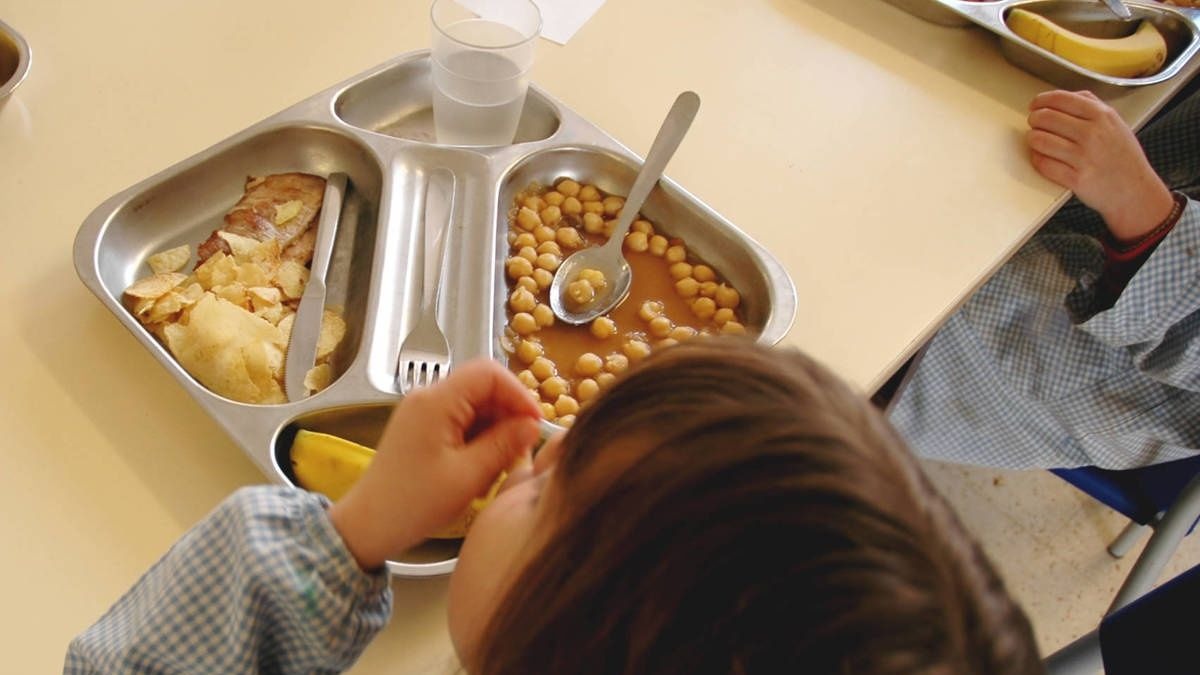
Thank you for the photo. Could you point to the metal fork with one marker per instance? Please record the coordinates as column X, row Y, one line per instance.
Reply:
column 425, row 353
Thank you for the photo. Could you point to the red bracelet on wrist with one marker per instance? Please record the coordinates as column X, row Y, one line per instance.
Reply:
column 1119, row 253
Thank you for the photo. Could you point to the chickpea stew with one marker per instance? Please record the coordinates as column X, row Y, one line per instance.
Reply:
column 674, row 296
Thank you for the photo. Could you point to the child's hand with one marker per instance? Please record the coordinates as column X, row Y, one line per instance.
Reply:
column 1079, row 142
column 442, row 446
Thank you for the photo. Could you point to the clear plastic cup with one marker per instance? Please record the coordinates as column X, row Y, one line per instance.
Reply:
column 481, row 69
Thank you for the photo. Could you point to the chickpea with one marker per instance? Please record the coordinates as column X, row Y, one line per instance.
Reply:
column 522, row 300
column 665, row 342
column 636, row 241
column 528, row 284
column 544, row 234
column 616, row 363
column 733, row 328
column 660, row 326
column 567, row 421
column 676, row 254
column 553, row 198
column 551, row 215
column 534, row 203
column 687, row 287
column 524, row 239
column 569, row 237
column 680, row 270
column 682, row 333
column 589, row 193
column 568, row 187
column 728, row 297
column 529, row 351
column 572, row 206
column 644, row 226
column 518, row 267
column 553, row 387
column 547, row 410
column 566, row 405
column 587, row 389
column 543, row 315
column 650, row 309
column 528, row 253
column 542, row 368
column 704, row 273
column 594, row 277
column 595, row 208
column 588, row 364
column 636, row 350
column 580, row 292
column 708, row 288
column 548, row 247
column 658, row 245
column 593, row 223
column 605, row 380
column 528, row 379
column 723, row 316
column 527, row 219
column 603, row 327
column 610, row 226
column 549, row 262
column 511, row 237
column 704, row 308
column 543, row 278
column 613, row 206
column 523, row 323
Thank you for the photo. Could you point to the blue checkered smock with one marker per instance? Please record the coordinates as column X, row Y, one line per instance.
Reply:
column 1032, row 372
column 263, row 584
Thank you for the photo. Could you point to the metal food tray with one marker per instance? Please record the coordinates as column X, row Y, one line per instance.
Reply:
column 377, row 128
column 1179, row 25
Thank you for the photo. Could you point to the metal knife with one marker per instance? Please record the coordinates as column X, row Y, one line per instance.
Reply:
column 1119, row 8
column 306, row 328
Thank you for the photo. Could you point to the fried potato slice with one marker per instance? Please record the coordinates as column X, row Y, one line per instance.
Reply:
column 155, row 286
column 333, row 329
column 318, row 377
column 170, row 260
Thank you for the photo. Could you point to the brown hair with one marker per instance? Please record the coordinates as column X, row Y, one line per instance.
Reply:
column 766, row 520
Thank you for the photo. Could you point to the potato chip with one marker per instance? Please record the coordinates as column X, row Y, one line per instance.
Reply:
column 253, row 274
column 263, row 297
column 318, row 377
column 165, row 307
column 155, row 286
column 234, row 293
column 242, row 247
column 218, row 270
column 192, row 294
column 333, row 329
column 291, row 277
column 285, row 325
column 267, row 254
column 264, row 366
column 170, row 260
column 288, row 210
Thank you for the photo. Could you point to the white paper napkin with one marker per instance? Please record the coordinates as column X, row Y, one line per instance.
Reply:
column 560, row 18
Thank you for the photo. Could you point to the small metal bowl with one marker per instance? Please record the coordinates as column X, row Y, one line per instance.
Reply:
column 14, row 59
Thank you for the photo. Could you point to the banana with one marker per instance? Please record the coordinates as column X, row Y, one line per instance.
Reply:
column 1140, row 54
column 331, row 465
column 328, row 464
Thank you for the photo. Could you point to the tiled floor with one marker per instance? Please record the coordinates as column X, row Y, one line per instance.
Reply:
column 1048, row 541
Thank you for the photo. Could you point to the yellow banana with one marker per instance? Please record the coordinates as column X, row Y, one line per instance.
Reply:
column 330, row 465
column 1138, row 55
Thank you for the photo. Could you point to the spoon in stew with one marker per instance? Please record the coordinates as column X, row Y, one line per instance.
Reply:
column 606, row 276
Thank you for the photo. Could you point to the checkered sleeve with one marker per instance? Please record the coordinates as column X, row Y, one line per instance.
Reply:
column 1157, row 316
column 263, row 584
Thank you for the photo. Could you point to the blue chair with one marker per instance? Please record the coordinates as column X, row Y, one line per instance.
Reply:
column 1151, row 634
column 1163, row 497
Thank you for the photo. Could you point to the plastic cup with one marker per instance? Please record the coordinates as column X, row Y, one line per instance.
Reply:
column 481, row 69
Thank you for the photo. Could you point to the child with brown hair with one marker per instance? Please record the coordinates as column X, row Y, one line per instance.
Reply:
column 724, row 508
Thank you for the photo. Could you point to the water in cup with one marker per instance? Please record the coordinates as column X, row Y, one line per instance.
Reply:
column 478, row 95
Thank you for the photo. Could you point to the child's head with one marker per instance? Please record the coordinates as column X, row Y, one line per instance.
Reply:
column 727, row 508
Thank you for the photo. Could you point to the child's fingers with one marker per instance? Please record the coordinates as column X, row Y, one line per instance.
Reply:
column 496, row 448
column 1076, row 104
column 1058, row 123
column 483, row 386
column 1052, row 145
column 1054, row 171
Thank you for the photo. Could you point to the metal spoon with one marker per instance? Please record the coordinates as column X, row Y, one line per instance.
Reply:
column 608, row 258
column 1120, row 9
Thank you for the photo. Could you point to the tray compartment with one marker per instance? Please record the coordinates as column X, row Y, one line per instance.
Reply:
column 363, row 425
column 398, row 102
column 768, row 297
column 184, row 205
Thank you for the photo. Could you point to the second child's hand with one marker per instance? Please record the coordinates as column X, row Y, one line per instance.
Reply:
column 1079, row 142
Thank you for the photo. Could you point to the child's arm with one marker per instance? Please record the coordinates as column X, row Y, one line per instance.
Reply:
column 263, row 584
